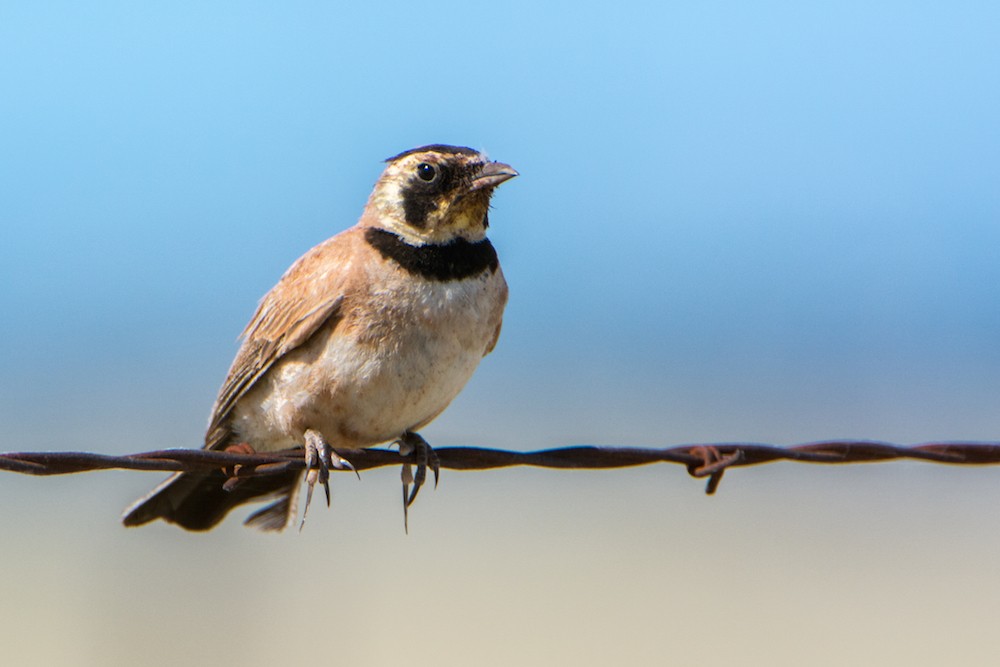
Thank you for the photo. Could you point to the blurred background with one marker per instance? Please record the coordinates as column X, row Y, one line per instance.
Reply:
column 771, row 222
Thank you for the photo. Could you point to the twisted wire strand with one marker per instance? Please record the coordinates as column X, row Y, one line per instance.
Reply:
column 701, row 460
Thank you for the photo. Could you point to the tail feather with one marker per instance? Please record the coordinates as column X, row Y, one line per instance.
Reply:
column 276, row 516
column 199, row 501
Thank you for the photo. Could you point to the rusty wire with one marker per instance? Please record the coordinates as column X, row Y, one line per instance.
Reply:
column 701, row 460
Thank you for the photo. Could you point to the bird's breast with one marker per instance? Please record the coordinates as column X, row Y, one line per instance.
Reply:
column 398, row 355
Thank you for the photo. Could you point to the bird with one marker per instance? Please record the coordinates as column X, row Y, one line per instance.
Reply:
column 364, row 340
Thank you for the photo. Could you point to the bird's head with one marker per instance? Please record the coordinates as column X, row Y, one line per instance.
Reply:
column 436, row 194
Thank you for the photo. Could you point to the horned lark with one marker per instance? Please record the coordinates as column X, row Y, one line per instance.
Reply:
column 364, row 340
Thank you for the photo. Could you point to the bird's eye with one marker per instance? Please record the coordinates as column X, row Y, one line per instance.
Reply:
column 426, row 172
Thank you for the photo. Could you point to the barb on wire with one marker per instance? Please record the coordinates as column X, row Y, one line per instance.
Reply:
column 701, row 460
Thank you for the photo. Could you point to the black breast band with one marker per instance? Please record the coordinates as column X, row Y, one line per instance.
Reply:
column 452, row 261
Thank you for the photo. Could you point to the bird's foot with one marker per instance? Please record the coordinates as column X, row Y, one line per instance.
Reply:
column 409, row 443
column 320, row 457
column 232, row 472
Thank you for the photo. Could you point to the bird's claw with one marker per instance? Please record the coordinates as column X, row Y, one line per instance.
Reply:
column 232, row 473
column 320, row 457
column 409, row 443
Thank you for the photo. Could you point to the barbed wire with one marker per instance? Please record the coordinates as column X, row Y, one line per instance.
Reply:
column 701, row 460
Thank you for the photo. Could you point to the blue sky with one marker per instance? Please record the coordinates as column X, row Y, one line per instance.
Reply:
column 769, row 221
column 713, row 199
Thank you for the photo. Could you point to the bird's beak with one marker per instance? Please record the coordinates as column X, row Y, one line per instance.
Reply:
column 492, row 175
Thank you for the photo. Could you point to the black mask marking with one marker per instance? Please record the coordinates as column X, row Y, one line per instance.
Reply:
column 421, row 198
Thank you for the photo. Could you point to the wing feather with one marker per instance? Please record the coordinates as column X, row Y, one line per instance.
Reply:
column 303, row 301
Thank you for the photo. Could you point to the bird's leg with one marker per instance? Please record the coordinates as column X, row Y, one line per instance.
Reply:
column 409, row 443
column 320, row 457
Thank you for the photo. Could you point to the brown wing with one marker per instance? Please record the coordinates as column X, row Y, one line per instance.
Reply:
column 309, row 294
column 501, row 303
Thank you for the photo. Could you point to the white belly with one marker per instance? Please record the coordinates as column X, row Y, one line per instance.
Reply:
column 374, row 376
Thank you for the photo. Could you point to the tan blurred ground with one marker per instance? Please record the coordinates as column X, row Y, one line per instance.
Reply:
column 788, row 565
